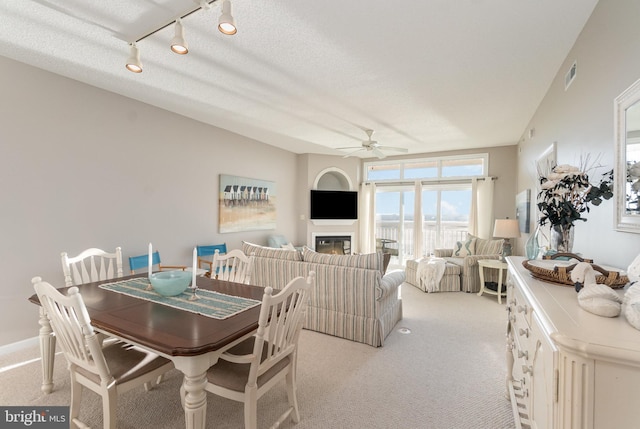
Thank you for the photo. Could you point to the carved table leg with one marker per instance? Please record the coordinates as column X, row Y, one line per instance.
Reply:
column 47, row 351
column 193, row 396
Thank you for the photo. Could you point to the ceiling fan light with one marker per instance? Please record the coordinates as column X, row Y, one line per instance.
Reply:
column 178, row 43
column 226, row 22
column 133, row 62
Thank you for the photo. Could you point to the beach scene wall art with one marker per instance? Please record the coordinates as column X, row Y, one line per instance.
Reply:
column 246, row 204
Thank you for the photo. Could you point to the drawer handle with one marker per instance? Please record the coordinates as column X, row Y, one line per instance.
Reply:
column 524, row 332
column 524, row 354
column 512, row 302
column 523, row 309
column 527, row 369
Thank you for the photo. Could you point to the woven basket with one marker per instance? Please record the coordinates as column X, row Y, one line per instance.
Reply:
column 562, row 274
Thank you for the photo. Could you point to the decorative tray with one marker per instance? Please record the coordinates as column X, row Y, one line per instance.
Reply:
column 552, row 270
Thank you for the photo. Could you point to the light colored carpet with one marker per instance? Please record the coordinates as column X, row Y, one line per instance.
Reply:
column 448, row 373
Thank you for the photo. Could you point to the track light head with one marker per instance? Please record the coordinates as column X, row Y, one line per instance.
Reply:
column 133, row 62
column 227, row 23
column 179, row 43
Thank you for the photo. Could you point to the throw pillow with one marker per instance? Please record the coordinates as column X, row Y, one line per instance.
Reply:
column 465, row 248
column 487, row 246
column 288, row 246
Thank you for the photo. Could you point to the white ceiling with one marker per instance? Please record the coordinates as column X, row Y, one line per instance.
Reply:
column 310, row 76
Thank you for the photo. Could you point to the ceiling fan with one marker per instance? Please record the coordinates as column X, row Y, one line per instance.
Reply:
column 373, row 146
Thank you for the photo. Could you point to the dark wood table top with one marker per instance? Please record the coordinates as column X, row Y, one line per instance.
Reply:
column 166, row 329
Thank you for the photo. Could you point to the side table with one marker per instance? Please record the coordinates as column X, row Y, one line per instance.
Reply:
column 496, row 265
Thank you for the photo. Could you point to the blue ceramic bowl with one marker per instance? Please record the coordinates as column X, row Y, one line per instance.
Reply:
column 170, row 283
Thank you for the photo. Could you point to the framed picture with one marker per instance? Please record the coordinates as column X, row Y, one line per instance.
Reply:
column 246, row 204
column 523, row 210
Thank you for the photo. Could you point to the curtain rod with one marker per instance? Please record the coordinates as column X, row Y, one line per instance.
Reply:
column 430, row 182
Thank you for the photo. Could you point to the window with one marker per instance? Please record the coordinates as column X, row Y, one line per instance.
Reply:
column 383, row 172
column 446, row 202
column 447, row 167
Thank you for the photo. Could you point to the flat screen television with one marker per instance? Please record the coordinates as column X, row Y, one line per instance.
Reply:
column 334, row 204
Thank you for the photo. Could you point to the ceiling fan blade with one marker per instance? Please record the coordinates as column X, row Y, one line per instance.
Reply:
column 349, row 147
column 351, row 153
column 377, row 152
column 395, row 149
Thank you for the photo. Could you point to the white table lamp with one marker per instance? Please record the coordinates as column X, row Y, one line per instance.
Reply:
column 506, row 228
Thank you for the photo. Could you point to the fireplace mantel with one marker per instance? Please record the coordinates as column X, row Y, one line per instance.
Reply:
column 333, row 222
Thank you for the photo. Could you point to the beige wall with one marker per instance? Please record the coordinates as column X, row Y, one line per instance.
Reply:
column 81, row 167
column 580, row 119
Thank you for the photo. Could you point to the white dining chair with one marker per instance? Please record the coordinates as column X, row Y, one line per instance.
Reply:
column 250, row 369
column 233, row 266
column 91, row 265
column 109, row 371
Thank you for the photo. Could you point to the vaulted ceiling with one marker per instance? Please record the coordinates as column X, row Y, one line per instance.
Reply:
column 311, row 76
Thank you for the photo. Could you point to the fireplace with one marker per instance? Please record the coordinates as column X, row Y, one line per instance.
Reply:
column 333, row 244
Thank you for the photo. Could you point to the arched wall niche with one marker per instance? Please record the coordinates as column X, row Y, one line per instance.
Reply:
column 333, row 179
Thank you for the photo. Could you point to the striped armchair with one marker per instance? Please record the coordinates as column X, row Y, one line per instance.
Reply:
column 352, row 298
column 467, row 255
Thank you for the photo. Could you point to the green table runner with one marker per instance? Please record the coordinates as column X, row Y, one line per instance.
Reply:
column 211, row 304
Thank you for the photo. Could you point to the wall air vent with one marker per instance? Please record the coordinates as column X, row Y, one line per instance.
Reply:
column 571, row 74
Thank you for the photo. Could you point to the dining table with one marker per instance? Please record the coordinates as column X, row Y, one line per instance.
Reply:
column 192, row 341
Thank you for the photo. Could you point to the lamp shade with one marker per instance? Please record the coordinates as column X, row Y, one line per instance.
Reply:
column 506, row 228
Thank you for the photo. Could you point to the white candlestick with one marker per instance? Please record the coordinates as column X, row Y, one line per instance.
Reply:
column 150, row 258
column 195, row 267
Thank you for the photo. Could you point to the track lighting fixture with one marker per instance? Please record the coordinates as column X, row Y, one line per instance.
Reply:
column 227, row 23
column 178, row 43
column 133, row 62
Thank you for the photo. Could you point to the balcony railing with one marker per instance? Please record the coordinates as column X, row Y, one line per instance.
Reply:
column 435, row 236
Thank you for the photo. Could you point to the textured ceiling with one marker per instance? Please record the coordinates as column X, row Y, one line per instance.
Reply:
column 310, row 76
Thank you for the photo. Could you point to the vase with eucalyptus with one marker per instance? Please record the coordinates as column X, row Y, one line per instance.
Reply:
column 565, row 195
column 562, row 238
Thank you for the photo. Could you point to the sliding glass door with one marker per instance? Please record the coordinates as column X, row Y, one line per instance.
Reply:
column 394, row 221
column 445, row 216
column 445, row 219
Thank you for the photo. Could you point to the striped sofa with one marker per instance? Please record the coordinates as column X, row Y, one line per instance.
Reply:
column 351, row 299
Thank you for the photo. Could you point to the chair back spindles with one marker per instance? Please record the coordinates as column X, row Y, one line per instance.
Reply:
column 281, row 319
column 233, row 266
column 91, row 265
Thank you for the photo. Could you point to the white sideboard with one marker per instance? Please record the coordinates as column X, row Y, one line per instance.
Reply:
column 568, row 368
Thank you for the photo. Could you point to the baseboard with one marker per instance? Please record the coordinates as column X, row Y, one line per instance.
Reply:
column 19, row 345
